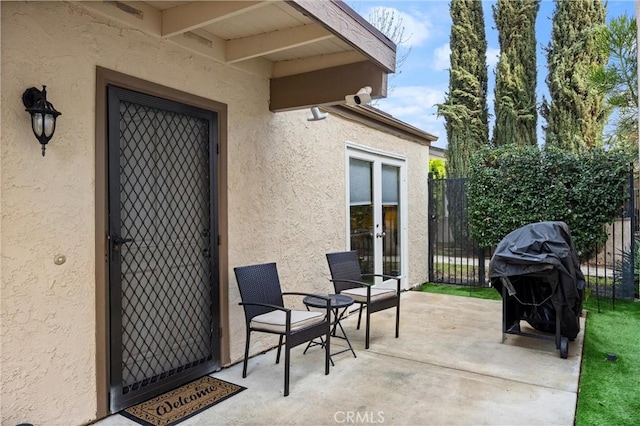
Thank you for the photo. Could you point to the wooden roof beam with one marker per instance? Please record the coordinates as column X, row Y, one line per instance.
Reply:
column 190, row 16
column 263, row 44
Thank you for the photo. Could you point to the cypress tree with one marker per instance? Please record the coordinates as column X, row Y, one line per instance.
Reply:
column 576, row 112
column 515, row 91
column 465, row 106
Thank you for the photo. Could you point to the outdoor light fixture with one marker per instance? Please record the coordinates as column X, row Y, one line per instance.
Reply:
column 316, row 114
column 43, row 114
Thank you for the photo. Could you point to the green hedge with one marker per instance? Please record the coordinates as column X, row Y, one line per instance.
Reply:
column 512, row 186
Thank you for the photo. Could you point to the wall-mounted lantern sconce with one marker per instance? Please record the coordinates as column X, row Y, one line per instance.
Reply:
column 43, row 114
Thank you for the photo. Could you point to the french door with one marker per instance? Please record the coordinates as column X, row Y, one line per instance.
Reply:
column 377, row 216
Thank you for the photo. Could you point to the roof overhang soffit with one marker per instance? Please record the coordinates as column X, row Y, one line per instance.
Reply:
column 297, row 80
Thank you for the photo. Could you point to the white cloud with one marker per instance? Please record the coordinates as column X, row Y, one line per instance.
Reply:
column 417, row 28
column 441, row 57
column 411, row 99
column 417, row 31
column 493, row 54
column 416, row 105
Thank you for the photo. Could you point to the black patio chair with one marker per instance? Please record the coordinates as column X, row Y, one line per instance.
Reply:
column 349, row 280
column 264, row 311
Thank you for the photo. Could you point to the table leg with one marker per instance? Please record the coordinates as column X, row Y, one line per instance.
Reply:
column 339, row 318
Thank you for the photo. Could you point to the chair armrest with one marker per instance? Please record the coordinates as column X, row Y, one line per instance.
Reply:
column 390, row 277
column 362, row 283
column 266, row 305
column 296, row 293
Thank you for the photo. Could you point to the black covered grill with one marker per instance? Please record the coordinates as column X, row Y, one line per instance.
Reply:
column 536, row 270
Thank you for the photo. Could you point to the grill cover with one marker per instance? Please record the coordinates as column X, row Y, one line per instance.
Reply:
column 540, row 267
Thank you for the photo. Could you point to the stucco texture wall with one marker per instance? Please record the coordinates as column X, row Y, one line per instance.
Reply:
column 292, row 207
column 286, row 196
column 48, row 204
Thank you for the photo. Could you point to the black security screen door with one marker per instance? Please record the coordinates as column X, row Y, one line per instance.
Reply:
column 162, row 252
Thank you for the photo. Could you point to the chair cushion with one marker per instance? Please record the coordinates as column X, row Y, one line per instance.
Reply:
column 359, row 294
column 275, row 321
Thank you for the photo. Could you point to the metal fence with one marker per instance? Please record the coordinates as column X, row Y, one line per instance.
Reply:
column 456, row 259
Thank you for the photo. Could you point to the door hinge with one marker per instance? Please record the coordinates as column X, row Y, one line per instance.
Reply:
column 217, row 148
column 219, row 332
column 218, row 239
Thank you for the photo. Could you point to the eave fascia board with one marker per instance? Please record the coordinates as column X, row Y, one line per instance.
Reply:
column 345, row 23
column 380, row 120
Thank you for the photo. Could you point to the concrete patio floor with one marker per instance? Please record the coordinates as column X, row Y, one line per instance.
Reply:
column 448, row 367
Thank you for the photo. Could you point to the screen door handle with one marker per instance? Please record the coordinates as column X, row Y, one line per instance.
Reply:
column 119, row 241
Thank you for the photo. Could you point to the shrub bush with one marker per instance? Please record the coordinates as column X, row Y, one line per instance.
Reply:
column 512, row 186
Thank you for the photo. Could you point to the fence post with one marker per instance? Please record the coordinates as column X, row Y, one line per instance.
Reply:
column 628, row 282
column 431, row 227
column 481, row 271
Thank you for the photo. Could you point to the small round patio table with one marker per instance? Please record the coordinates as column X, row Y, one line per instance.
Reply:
column 339, row 305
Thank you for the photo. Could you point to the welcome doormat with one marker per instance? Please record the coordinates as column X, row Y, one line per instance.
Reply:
column 179, row 404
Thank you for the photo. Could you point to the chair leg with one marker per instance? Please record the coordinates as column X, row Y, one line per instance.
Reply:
column 359, row 316
column 279, row 347
column 327, row 353
column 286, row 368
column 246, row 354
column 398, row 319
column 366, row 339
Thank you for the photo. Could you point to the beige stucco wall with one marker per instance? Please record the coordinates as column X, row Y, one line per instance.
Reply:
column 286, row 196
column 293, row 207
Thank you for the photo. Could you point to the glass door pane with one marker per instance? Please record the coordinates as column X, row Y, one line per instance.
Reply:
column 390, row 220
column 361, row 212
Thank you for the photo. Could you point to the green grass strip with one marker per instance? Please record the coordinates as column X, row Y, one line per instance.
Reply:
column 609, row 392
column 469, row 291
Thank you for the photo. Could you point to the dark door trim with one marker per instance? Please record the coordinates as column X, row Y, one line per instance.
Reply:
column 105, row 77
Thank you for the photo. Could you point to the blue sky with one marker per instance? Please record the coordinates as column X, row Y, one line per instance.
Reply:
column 424, row 78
